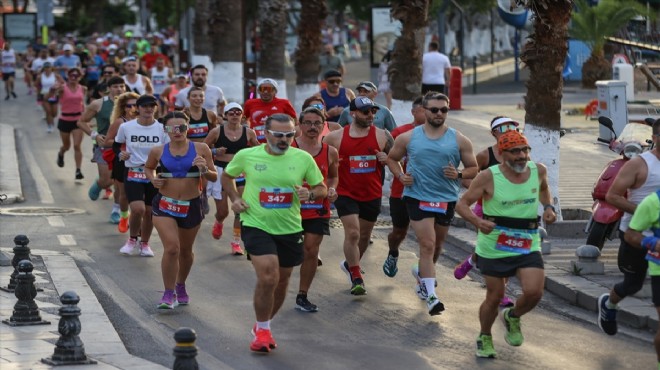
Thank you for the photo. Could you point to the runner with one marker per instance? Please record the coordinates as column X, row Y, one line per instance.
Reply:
column 8, row 59
column 170, row 92
column 226, row 140
column 315, row 214
column 71, row 96
column 139, row 135
column 317, row 102
column 335, row 97
column 123, row 111
column 213, row 95
column 45, row 81
column 508, row 242
column 363, row 151
column 398, row 211
column 271, row 218
column 257, row 110
column 160, row 76
column 101, row 110
column 135, row 82
column 177, row 209
column 432, row 183
column 201, row 120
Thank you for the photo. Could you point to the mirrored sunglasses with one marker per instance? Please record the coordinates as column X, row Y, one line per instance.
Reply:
column 176, row 129
column 505, row 128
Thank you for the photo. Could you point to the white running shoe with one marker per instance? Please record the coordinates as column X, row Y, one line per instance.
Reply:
column 130, row 248
column 145, row 250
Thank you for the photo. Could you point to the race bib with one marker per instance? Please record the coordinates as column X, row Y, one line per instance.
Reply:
column 653, row 257
column 136, row 174
column 260, row 131
column 436, row 207
column 174, row 207
column 276, row 197
column 512, row 241
column 315, row 204
column 362, row 163
column 198, row 130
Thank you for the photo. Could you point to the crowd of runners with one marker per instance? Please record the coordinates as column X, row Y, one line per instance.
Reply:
column 165, row 145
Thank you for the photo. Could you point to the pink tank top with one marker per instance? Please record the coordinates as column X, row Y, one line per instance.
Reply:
column 72, row 103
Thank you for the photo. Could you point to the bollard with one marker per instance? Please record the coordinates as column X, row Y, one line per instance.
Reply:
column 185, row 350
column 587, row 263
column 21, row 252
column 26, row 311
column 69, row 349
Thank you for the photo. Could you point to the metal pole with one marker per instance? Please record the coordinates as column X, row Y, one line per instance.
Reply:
column 516, row 52
column 474, row 75
column 492, row 37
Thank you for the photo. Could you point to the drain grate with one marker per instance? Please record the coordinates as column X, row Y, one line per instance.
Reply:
column 335, row 223
column 40, row 211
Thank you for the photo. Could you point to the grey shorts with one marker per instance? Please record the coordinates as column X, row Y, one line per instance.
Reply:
column 97, row 157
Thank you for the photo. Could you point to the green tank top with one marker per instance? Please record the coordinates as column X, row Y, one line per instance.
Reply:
column 513, row 201
column 103, row 116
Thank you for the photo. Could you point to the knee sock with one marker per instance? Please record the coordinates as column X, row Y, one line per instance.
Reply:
column 355, row 272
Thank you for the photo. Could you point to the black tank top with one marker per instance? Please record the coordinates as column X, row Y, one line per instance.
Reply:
column 199, row 128
column 232, row 146
column 491, row 158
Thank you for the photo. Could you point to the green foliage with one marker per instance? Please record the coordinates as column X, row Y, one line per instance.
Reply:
column 592, row 24
column 361, row 9
column 80, row 16
column 166, row 12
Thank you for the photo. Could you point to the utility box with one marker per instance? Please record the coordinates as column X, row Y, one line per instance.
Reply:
column 612, row 103
column 626, row 73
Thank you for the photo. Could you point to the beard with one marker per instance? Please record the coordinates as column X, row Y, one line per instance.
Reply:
column 518, row 166
column 279, row 147
column 199, row 82
column 436, row 122
column 362, row 122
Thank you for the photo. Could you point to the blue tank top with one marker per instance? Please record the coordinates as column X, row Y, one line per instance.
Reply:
column 178, row 166
column 335, row 101
column 426, row 161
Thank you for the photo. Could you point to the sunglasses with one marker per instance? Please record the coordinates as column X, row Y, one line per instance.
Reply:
column 147, row 106
column 234, row 113
column 517, row 151
column 74, row 75
column 436, row 110
column 312, row 123
column 337, row 82
column 266, row 89
column 176, row 129
column 108, row 73
column 504, row 128
column 369, row 110
column 318, row 106
column 280, row 134
column 131, row 105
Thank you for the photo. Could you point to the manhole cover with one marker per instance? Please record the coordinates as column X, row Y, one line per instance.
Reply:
column 40, row 211
column 335, row 223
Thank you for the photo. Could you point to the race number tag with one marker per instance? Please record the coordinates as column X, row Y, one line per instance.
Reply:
column 436, row 207
column 276, row 197
column 198, row 130
column 136, row 174
column 261, row 132
column 362, row 163
column 516, row 242
column 174, row 207
column 315, row 204
column 653, row 257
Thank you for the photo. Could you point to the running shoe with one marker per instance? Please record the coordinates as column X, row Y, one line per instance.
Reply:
column 389, row 267
column 302, row 304
column 506, row 302
column 145, row 250
column 14, row 95
column 79, row 176
column 94, row 190
column 606, row 316
column 168, row 302
column 115, row 217
column 216, row 232
column 343, row 265
column 107, row 194
column 60, row 159
column 236, row 249
column 461, row 270
column 181, row 294
column 485, row 347
column 513, row 334
column 319, row 261
column 434, row 305
column 123, row 224
column 50, row 130
column 358, row 287
column 263, row 340
column 130, row 248
column 420, row 289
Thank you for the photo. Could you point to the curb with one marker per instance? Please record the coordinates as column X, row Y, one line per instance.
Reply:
column 10, row 177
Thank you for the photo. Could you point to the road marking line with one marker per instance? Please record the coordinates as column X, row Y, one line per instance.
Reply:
column 55, row 221
column 67, row 239
column 43, row 189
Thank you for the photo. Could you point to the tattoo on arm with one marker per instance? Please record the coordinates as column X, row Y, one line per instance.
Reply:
column 390, row 142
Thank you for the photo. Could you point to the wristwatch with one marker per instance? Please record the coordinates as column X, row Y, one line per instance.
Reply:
column 460, row 175
column 311, row 196
column 545, row 207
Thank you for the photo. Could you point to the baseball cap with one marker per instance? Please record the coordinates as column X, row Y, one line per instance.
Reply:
column 182, row 75
column 146, row 100
column 112, row 47
column 268, row 81
column 367, row 85
column 46, row 65
column 67, row 47
column 502, row 120
column 362, row 102
column 231, row 106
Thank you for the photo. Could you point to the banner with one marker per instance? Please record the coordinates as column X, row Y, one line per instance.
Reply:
column 384, row 30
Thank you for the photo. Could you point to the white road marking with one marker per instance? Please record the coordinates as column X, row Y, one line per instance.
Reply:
column 66, row 239
column 43, row 189
column 55, row 221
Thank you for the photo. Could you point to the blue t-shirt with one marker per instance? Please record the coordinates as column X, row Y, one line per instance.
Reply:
column 69, row 62
column 93, row 70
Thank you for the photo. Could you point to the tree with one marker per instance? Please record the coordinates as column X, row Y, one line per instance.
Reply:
column 544, row 55
column 272, row 23
column 592, row 24
column 225, row 32
column 201, row 27
column 310, row 44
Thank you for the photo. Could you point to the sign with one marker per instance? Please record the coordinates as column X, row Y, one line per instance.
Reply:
column 20, row 29
column 45, row 13
column 384, row 31
column 620, row 58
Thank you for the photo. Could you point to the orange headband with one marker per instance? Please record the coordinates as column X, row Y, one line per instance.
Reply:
column 510, row 139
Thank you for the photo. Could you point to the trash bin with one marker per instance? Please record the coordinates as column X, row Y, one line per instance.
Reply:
column 455, row 88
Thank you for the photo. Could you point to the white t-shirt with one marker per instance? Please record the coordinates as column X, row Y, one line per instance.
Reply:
column 433, row 68
column 8, row 61
column 140, row 139
column 159, row 79
column 212, row 96
column 38, row 63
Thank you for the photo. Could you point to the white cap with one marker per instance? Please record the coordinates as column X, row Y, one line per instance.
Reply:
column 231, row 106
column 68, row 47
column 268, row 81
column 112, row 47
column 503, row 120
column 99, row 40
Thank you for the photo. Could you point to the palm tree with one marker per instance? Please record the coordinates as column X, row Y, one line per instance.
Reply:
column 310, row 44
column 592, row 24
column 272, row 23
column 544, row 54
column 202, row 41
column 227, row 46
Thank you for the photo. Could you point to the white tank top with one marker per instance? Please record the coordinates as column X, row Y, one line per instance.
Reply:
column 651, row 184
column 47, row 82
column 137, row 87
column 159, row 79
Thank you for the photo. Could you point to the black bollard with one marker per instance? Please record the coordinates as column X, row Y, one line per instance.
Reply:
column 21, row 252
column 69, row 349
column 26, row 311
column 185, row 350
